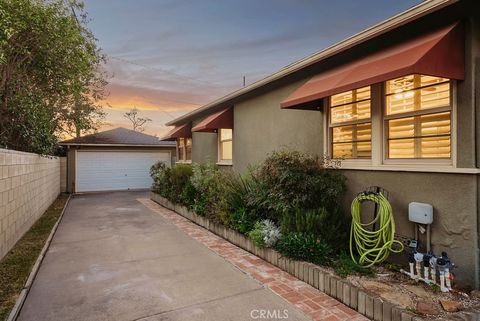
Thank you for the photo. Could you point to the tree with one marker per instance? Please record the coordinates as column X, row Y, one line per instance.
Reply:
column 84, row 117
column 137, row 122
column 51, row 77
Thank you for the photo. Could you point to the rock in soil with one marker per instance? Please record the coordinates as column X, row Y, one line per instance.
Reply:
column 426, row 308
column 475, row 294
column 451, row 306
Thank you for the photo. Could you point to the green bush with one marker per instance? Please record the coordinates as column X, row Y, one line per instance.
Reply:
column 304, row 247
column 160, row 174
column 242, row 221
column 206, row 180
column 332, row 227
column 293, row 180
column 179, row 176
column 344, row 266
column 256, row 235
column 189, row 194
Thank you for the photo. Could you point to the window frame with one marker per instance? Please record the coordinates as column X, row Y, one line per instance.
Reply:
column 379, row 159
column 182, row 157
column 330, row 126
column 221, row 161
column 451, row 161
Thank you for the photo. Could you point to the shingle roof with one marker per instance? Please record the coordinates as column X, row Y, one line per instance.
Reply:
column 117, row 136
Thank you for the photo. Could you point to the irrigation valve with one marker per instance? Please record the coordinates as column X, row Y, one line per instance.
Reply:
column 418, row 265
column 433, row 269
column 426, row 266
column 430, row 264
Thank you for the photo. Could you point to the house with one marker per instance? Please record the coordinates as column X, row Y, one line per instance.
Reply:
column 399, row 102
column 116, row 159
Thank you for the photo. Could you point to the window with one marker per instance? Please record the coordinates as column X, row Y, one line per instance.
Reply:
column 418, row 117
column 225, row 142
column 350, row 124
column 184, row 149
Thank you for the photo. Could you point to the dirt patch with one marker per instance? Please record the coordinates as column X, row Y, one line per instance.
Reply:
column 417, row 297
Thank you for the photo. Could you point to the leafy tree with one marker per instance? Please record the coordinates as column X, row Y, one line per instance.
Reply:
column 138, row 123
column 50, row 73
column 83, row 117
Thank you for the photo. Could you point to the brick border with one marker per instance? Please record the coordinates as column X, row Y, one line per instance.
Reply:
column 356, row 298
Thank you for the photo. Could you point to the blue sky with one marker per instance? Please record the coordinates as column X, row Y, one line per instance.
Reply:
column 167, row 57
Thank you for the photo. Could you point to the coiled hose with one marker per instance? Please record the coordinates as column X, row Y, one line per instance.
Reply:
column 373, row 246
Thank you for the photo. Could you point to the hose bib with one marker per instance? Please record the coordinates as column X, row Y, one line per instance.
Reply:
column 373, row 246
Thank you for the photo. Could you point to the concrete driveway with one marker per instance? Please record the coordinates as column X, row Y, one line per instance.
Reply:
column 114, row 259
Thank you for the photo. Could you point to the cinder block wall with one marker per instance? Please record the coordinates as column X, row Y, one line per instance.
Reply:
column 29, row 183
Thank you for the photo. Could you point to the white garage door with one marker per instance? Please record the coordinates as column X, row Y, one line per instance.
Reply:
column 110, row 170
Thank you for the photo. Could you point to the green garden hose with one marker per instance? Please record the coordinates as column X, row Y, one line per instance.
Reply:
column 373, row 246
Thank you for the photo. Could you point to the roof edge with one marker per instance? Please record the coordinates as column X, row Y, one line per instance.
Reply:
column 378, row 29
column 117, row 145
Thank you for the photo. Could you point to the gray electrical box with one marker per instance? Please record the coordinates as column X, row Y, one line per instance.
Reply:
column 420, row 213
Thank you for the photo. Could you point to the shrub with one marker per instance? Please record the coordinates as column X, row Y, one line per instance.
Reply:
column 160, row 175
column 265, row 233
column 332, row 227
column 189, row 194
column 294, row 180
column 305, row 247
column 206, row 179
column 256, row 235
column 179, row 176
column 344, row 266
column 242, row 221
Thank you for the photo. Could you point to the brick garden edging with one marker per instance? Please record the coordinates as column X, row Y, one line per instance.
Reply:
column 357, row 299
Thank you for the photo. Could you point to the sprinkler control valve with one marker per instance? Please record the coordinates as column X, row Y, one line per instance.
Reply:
column 433, row 268
column 426, row 266
column 419, row 260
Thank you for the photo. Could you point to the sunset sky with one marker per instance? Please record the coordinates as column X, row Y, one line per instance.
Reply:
column 168, row 57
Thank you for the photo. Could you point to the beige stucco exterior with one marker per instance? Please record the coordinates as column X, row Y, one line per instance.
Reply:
column 205, row 148
column 261, row 126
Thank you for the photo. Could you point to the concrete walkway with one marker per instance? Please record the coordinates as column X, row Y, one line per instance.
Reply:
column 114, row 259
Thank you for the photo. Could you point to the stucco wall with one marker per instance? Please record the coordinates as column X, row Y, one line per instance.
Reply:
column 29, row 183
column 260, row 127
column 204, row 146
column 454, row 198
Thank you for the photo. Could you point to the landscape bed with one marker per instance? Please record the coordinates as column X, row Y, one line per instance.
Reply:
column 349, row 291
column 289, row 211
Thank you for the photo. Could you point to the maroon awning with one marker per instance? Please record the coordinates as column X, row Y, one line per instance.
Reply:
column 184, row 130
column 439, row 53
column 222, row 119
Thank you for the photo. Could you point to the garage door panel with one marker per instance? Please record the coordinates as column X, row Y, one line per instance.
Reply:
column 110, row 170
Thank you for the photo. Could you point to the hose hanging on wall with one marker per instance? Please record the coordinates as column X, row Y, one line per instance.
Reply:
column 373, row 246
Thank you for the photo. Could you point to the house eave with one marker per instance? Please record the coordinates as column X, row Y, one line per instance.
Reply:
column 116, row 145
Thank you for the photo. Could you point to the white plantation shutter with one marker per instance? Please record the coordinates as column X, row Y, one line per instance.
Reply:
column 427, row 134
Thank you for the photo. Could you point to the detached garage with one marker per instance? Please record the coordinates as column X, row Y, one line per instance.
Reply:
column 117, row 159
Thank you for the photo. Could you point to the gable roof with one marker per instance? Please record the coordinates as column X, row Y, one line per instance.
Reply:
column 118, row 136
column 403, row 18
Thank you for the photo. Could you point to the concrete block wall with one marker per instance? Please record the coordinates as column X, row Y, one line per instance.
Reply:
column 29, row 183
